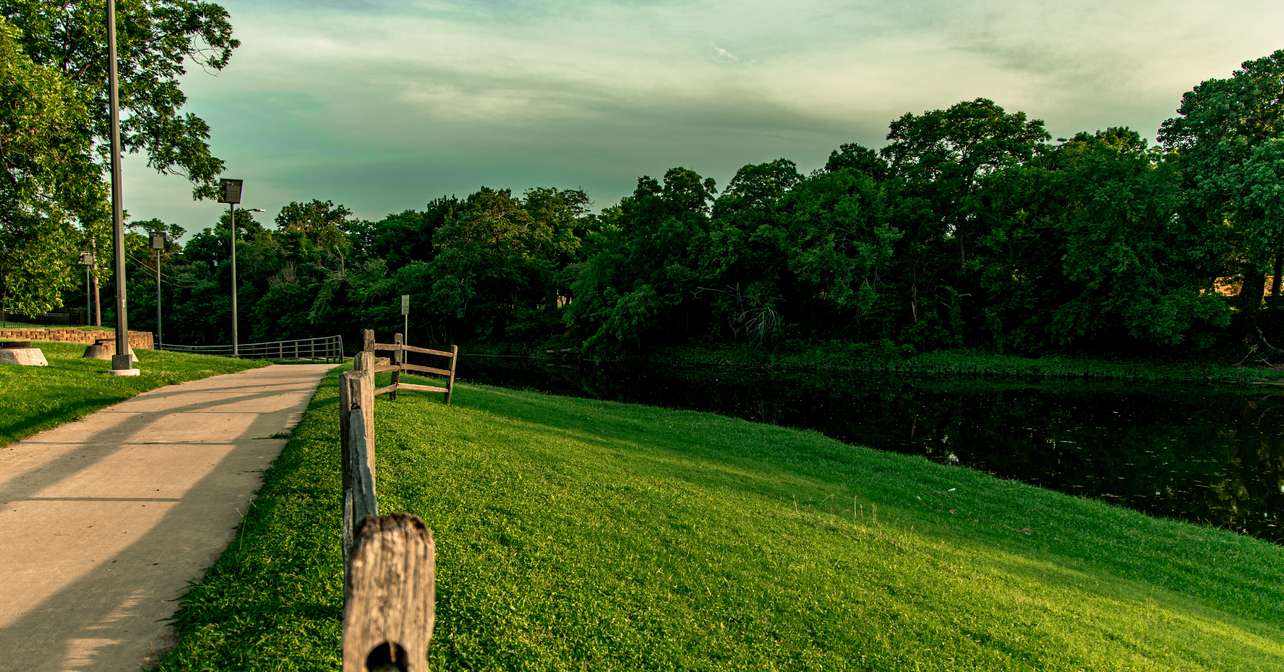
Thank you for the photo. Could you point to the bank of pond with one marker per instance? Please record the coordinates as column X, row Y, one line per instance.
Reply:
column 1207, row 454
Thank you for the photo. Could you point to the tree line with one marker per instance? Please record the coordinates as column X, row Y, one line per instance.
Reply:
column 970, row 228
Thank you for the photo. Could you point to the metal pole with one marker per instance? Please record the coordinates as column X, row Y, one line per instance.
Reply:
column 89, row 306
column 236, row 348
column 122, row 364
column 160, row 333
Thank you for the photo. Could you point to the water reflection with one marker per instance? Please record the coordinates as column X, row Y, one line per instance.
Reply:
column 1204, row 454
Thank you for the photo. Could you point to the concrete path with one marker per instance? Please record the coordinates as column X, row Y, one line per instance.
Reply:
column 104, row 521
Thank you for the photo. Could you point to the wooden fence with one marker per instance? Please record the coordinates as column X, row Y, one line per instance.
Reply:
column 389, row 602
column 399, row 364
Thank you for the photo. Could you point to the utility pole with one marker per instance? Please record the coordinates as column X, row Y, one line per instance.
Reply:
column 122, row 363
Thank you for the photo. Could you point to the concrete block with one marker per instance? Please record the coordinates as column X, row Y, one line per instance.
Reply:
column 23, row 357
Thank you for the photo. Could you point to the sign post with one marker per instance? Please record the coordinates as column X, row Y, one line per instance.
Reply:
column 405, row 316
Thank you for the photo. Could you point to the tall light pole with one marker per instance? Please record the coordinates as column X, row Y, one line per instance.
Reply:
column 87, row 260
column 122, row 363
column 230, row 193
column 158, row 244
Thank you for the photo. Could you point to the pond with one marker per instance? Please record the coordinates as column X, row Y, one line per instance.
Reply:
column 1205, row 454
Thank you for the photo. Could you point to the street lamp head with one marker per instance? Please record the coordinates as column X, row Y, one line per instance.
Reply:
column 252, row 210
column 229, row 191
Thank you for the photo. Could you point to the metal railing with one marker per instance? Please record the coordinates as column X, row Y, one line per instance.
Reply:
column 327, row 348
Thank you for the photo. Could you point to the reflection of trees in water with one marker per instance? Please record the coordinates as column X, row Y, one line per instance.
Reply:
column 1199, row 454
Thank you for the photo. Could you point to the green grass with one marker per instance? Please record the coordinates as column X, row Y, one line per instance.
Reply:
column 33, row 398
column 577, row 534
column 853, row 357
column 10, row 324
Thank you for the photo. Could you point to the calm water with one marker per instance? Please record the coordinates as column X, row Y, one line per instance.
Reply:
column 1200, row 453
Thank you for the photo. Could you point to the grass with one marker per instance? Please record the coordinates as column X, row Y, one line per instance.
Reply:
column 10, row 324
column 853, row 357
column 33, row 399
column 578, row 534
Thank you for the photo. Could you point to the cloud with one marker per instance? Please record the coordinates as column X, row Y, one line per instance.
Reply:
column 383, row 105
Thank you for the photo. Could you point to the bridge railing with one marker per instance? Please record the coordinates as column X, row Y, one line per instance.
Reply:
column 325, row 348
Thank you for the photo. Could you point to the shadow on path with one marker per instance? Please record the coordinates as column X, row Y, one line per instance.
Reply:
column 109, row 518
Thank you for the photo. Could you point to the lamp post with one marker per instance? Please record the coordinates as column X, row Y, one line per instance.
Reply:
column 87, row 260
column 158, row 244
column 122, row 363
column 230, row 193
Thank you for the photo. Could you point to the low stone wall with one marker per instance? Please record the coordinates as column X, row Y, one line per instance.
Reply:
column 138, row 340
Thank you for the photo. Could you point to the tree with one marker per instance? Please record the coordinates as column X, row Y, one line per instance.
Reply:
column 747, row 258
column 157, row 39
column 942, row 156
column 1219, row 129
column 842, row 244
column 491, row 273
column 1084, row 247
column 47, row 183
column 642, row 284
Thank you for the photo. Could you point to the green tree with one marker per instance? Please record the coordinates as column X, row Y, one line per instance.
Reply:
column 47, row 183
column 489, row 276
column 157, row 40
column 942, row 156
column 842, row 246
column 643, row 284
column 746, row 263
column 1085, row 248
column 1220, row 128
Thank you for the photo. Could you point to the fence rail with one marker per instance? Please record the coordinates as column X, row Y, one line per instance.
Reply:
column 327, row 348
column 398, row 365
column 389, row 596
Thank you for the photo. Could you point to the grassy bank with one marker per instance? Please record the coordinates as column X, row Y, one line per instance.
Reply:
column 33, row 399
column 576, row 534
column 847, row 357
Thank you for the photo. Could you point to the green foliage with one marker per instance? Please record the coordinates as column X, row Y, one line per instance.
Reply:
column 156, row 42
column 1084, row 244
column 47, row 183
column 577, row 534
column 1221, row 134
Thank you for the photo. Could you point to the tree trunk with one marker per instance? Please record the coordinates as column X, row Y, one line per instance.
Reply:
column 1250, row 297
column 1275, row 281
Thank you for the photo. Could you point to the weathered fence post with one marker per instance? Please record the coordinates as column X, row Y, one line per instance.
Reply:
column 389, row 597
column 367, row 340
column 450, row 385
column 356, row 435
column 398, row 358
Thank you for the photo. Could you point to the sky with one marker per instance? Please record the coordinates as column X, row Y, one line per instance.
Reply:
column 383, row 105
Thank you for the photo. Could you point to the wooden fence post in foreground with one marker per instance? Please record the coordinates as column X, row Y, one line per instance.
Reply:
column 356, row 435
column 367, row 340
column 389, row 598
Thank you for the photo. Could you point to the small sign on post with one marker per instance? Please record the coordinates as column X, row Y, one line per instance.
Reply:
column 405, row 304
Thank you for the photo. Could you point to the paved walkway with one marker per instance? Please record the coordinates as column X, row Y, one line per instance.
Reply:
column 104, row 521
